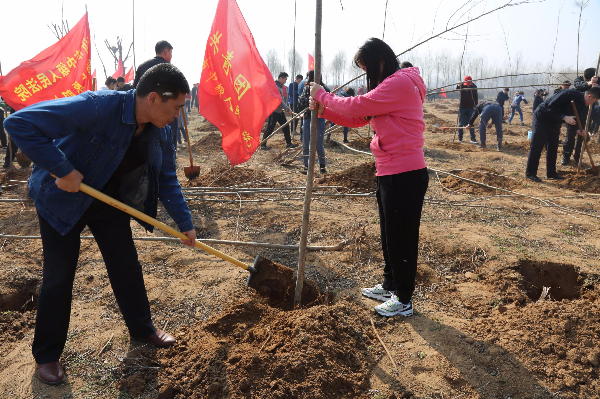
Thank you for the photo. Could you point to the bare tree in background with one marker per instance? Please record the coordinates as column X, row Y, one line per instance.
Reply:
column 274, row 63
column 338, row 67
column 60, row 30
column 297, row 68
column 117, row 52
column 582, row 5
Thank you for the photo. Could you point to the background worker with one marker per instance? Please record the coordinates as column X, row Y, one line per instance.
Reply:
column 467, row 103
column 565, row 85
column 489, row 110
column 547, row 120
column 116, row 142
column 109, row 84
column 500, row 99
column 293, row 96
column 278, row 117
column 573, row 141
column 516, row 106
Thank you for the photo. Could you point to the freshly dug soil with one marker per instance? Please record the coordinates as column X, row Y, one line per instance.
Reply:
column 254, row 351
column 361, row 143
column 208, row 144
column 361, row 177
column 225, row 176
column 586, row 183
column 486, row 177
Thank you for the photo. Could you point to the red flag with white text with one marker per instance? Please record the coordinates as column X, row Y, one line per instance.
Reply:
column 129, row 77
column 61, row 70
column 237, row 92
column 119, row 71
column 311, row 62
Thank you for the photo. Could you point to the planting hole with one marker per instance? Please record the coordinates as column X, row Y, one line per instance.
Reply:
column 560, row 278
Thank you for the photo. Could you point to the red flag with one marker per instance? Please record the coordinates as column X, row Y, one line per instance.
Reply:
column 237, row 92
column 119, row 71
column 311, row 62
column 129, row 76
column 61, row 70
column 443, row 93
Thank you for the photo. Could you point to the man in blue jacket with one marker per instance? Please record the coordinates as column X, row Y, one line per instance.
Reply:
column 118, row 143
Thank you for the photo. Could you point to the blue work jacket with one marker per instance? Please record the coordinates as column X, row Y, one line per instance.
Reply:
column 91, row 133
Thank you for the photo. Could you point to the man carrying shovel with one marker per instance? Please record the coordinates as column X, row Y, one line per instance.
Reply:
column 118, row 143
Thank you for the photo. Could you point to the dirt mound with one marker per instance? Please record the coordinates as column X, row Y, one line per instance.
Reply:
column 256, row 351
column 586, row 183
column 209, row 143
column 205, row 126
column 361, row 177
column 361, row 143
column 510, row 132
column 225, row 176
column 517, row 146
column 431, row 119
column 454, row 145
column 488, row 177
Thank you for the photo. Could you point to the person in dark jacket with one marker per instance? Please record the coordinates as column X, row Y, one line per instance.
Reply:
column 547, row 120
column 589, row 79
column 539, row 98
column 278, row 117
column 121, row 85
column 293, row 96
column 116, row 142
column 195, row 95
column 500, row 99
column 566, row 85
column 488, row 110
column 468, row 101
column 516, row 106
column 164, row 54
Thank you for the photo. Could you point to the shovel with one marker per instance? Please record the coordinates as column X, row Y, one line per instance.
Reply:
column 192, row 171
column 455, row 127
column 267, row 277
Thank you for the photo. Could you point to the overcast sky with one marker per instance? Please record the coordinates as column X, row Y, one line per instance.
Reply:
column 530, row 28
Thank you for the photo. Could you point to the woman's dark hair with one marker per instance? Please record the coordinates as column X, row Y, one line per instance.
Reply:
column 351, row 91
column 310, row 75
column 371, row 55
column 165, row 80
column 406, row 64
column 110, row 80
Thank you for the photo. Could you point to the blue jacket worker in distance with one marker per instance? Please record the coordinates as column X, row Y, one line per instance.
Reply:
column 118, row 143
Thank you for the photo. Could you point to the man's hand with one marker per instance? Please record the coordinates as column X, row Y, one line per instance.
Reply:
column 192, row 238
column 594, row 81
column 467, row 127
column 570, row 120
column 582, row 133
column 314, row 88
column 313, row 104
column 71, row 182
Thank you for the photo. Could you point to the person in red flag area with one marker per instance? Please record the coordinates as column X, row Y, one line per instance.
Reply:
column 393, row 105
column 61, row 70
column 110, row 84
column 118, row 143
column 278, row 117
column 121, row 85
column 237, row 92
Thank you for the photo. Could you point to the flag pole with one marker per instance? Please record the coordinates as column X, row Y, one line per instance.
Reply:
column 311, row 163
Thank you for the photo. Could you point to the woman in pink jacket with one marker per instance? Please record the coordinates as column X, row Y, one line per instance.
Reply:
column 393, row 105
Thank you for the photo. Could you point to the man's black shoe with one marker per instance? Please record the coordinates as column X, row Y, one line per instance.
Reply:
column 565, row 161
column 556, row 177
column 534, row 178
column 291, row 145
column 264, row 147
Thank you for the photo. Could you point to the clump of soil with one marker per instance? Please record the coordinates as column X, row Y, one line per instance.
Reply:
column 361, row 143
column 252, row 350
column 206, row 126
column 454, row 145
column 490, row 178
column 209, row 143
column 431, row 119
column 225, row 176
column 361, row 177
column 519, row 146
column 587, row 183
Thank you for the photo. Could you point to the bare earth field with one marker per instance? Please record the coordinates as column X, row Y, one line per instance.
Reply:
column 506, row 304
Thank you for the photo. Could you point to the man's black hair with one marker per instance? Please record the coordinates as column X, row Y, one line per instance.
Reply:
column 370, row 55
column 405, row 64
column 161, row 46
column 283, row 75
column 594, row 91
column 165, row 80
column 110, row 80
column 351, row 91
column 506, row 89
column 120, row 79
column 589, row 73
column 299, row 77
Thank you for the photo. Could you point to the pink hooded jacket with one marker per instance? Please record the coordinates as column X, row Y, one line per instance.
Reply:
column 397, row 107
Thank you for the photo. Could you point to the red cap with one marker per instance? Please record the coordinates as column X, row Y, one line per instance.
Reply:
column 468, row 81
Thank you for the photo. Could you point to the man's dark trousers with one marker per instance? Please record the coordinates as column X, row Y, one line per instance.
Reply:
column 10, row 150
column 294, row 123
column 464, row 114
column 274, row 118
column 543, row 134
column 112, row 232
column 569, row 143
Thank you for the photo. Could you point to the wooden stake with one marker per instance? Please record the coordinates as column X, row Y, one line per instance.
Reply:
column 314, row 117
column 589, row 117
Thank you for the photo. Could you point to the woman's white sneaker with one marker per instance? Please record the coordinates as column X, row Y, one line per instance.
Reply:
column 394, row 307
column 377, row 292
